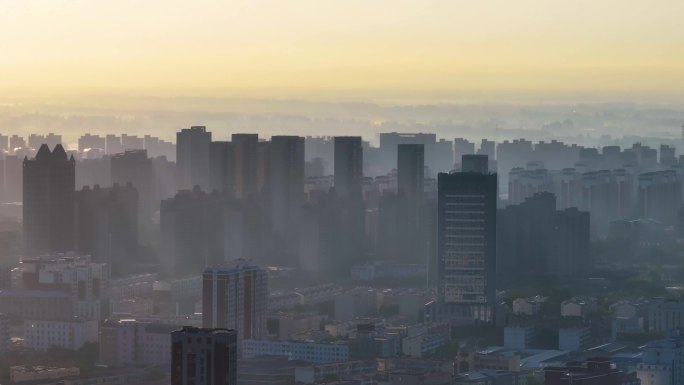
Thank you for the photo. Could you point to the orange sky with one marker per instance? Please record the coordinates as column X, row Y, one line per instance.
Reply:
column 273, row 46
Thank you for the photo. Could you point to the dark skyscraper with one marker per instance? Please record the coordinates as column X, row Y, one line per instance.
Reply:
column 135, row 167
column 49, row 184
column 107, row 224
column 203, row 356
column 192, row 157
column 245, row 164
column 466, row 244
column 286, row 184
column 220, row 166
column 348, row 166
column 411, row 232
column 475, row 163
column 410, row 170
column 191, row 231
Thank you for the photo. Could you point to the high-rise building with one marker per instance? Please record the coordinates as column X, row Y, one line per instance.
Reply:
column 16, row 142
column 463, row 147
column 245, row 163
column 4, row 143
column 466, row 244
column 135, row 167
column 49, row 189
column 107, row 224
column 410, row 171
column 220, row 166
column 89, row 141
column 203, row 356
column 113, row 145
column 348, row 167
column 192, row 157
column 192, row 231
column 286, row 184
column 475, row 163
column 236, row 297
column 535, row 239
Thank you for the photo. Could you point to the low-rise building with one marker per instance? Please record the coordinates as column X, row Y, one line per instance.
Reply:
column 36, row 304
column 316, row 352
column 518, row 337
column 664, row 315
column 528, row 306
column 70, row 334
column 491, row 359
column 316, row 373
column 574, row 338
column 578, row 307
column 133, row 342
column 594, row 371
column 34, row 374
column 662, row 362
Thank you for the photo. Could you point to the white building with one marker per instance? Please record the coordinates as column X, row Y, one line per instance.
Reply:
column 76, row 274
column 664, row 316
column 528, row 306
column 578, row 307
column 662, row 362
column 235, row 297
column 574, row 339
column 297, row 350
column 518, row 337
column 131, row 342
column 71, row 334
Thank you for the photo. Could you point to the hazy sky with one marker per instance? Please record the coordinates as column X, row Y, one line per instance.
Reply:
column 276, row 46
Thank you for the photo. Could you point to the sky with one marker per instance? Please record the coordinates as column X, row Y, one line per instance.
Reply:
column 351, row 47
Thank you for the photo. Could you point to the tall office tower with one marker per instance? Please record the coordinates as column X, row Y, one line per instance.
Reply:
column 286, row 184
column 49, row 182
column 135, row 167
column 91, row 141
column 15, row 142
column 203, row 356
column 246, row 161
column 410, row 170
column 107, row 224
column 466, row 244
column 412, row 235
column 113, row 145
column 220, row 167
column 235, row 296
column 348, row 167
column 192, row 157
